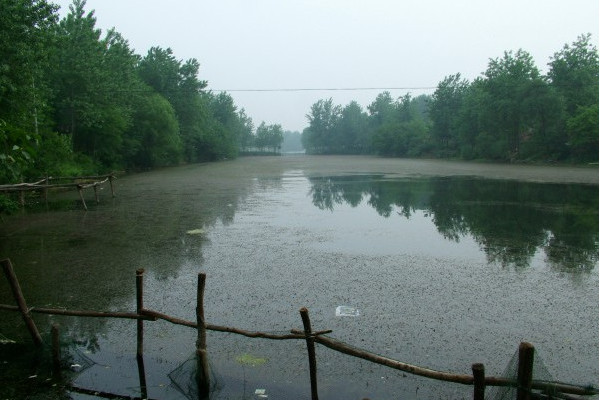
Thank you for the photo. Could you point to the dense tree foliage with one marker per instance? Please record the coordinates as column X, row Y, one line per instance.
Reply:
column 510, row 113
column 74, row 100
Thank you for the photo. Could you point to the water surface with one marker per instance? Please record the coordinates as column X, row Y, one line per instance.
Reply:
column 448, row 264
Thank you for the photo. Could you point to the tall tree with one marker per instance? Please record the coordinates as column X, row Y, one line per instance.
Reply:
column 574, row 74
column 323, row 121
column 26, row 37
column 446, row 104
column 92, row 78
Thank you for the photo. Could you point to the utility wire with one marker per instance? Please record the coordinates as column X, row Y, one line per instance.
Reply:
column 325, row 89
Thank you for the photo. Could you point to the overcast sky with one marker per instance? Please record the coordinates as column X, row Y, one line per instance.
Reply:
column 344, row 44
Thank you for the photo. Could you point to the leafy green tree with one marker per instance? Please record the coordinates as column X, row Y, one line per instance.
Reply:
column 153, row 139
column 26, row 37
column 446, row 105
column 508, row 82
column 324, row 116
column 92, row 78
column 583, row 134
column 269, row 137
column 574, row 73
column 353, row 130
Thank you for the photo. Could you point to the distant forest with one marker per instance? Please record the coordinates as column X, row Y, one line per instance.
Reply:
column 510, row 113
column 76, row 101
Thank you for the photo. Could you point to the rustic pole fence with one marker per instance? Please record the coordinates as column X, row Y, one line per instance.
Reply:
column 76, row 182
column 20, row 300
column 525, row 384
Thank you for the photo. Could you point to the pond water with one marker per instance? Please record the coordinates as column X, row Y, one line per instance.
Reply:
column 445, row 264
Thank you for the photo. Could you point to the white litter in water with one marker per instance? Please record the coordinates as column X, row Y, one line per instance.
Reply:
column 346, row 311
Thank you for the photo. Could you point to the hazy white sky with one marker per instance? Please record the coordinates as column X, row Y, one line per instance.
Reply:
column 318, row 44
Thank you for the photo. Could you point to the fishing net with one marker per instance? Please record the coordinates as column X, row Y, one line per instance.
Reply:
column 76, row 361
column 540, row 373
column 183, row 378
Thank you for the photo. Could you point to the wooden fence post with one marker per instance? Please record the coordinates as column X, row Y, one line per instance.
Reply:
column 203, row 372
column 312, row 359
column 142, row 376
column 139, row 290
column 18, row 295
column 55, row 350
column 80, row 190
column 112, row 189
column 478, row 381
column 525, row 371
column 46, row 183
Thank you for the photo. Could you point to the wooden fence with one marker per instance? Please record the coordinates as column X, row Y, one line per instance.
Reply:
column 48, row 183
column 527, row 387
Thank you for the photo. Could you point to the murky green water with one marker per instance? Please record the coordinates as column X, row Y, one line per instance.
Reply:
column 447, row 264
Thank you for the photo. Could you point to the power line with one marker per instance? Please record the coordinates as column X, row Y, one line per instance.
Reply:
column 325, row 89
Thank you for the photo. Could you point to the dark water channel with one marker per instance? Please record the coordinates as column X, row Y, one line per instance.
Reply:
column 446, row 264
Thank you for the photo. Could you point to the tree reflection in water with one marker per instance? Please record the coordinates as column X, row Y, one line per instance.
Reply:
column 510, row 220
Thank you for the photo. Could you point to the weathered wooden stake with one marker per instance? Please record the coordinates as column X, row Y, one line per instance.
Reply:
column 55, row 350
column 478, row 381
column 18, row 295
column 525, row 371
column 312, row 359
column 112, row 189
column 80, row 190
column 46, row 183
column 203, row 372
column 96, row 194
column 139, row 290
column 142, row 376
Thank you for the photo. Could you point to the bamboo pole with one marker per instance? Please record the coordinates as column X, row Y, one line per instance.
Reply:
column 478, row 381
column 312, row 359
column 139, row 286
column 525, row 371
column 203, row 373
column 18, row 295
column 56, row 351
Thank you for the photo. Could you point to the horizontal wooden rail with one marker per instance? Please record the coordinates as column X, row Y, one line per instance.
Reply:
column 81, row 313
column 307, row 334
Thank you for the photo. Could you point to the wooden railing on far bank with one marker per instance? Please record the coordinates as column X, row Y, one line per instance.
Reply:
column 53, row 183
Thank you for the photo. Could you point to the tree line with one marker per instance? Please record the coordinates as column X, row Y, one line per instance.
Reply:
column 512, row 112
column 76, row 101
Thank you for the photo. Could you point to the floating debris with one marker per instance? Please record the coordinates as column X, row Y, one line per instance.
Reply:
column 346, row 311
column 5, row 340
column 195, row 232
column 249, row 359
